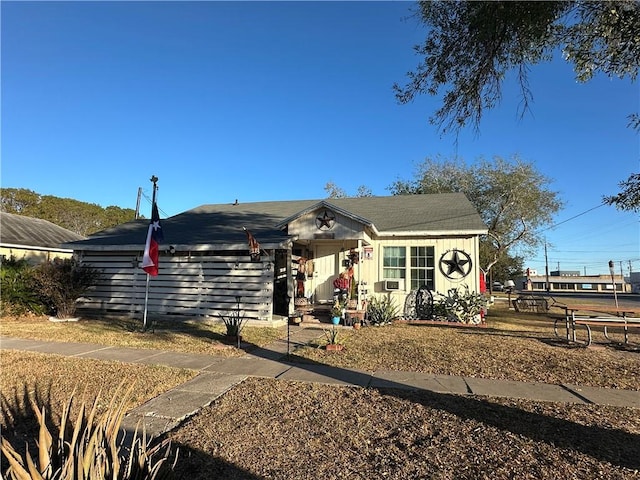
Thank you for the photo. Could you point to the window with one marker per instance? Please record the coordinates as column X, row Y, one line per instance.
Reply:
column 422, row 267
column 394, row 262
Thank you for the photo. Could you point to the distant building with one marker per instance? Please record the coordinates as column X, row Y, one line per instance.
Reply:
column 565, row 273
column 574, row 283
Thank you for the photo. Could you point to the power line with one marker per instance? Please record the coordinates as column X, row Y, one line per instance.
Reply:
column 572, row 218
column 151, row 203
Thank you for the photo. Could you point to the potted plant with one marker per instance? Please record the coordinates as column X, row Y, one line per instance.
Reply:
column 332, row 340
column 337, row 311
column 295, row 318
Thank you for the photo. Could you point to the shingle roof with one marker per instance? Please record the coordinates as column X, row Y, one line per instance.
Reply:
column 33, row 232
column 222, row 223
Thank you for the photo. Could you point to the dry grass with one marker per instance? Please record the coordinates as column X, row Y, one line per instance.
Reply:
column 272, row 429
column 50, row 380
column 514, row 347
column 192, row 336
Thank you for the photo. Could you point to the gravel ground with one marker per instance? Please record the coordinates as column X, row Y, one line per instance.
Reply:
column 268, row 429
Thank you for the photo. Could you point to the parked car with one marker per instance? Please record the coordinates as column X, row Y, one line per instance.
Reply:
column 497, row 287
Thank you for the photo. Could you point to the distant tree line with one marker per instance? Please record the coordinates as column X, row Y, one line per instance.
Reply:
column 80, row 217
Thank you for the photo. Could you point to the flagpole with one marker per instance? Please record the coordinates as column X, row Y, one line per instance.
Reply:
column 154, row 180
column 146, row 300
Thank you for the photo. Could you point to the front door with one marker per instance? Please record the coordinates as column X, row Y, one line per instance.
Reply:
column 326, row 270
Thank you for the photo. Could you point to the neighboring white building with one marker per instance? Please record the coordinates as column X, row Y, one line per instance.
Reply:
column 391, row 245
column 33, row 239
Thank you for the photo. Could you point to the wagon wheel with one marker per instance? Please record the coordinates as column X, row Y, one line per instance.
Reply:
column 410, row 306
column 424, row 303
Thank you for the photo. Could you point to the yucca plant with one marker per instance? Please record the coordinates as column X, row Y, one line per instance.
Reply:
column 234, row 321
column 332, row 336
column 381, row 310
column 89, row 449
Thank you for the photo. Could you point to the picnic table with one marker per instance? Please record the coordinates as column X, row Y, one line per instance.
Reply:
column 589, row 316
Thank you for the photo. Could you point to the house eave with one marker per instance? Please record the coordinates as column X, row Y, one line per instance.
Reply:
column 430, row 233
column 180, row 247
column 325, row 204
column 36, row 247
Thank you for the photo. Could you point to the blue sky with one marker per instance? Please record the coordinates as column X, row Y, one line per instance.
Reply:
column 271, row 100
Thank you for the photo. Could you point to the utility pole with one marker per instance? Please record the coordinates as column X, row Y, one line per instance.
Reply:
column 546, row 266
column 138, row 202
column 615, row 294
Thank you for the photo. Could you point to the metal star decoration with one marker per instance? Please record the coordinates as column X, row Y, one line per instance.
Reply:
column 459, row 264
column 325, row 221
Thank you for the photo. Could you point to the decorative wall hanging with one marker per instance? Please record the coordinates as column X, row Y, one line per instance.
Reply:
column 455, row 264
column 325, row 220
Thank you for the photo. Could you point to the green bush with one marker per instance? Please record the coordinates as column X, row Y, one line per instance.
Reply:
column 456, row 306
column 381, row 310
column 17, row 289
column 88, row 448
column 62, row 282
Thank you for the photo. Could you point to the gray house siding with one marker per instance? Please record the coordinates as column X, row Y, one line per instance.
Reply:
column 199, row 284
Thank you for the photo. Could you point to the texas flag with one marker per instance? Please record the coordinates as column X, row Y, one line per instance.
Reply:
column 154, row 237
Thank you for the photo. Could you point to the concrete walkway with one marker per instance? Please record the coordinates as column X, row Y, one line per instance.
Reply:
column 218, row 375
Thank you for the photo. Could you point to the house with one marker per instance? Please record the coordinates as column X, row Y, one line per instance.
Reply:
column 573, row 282
column 390, row 245
column 33, row 239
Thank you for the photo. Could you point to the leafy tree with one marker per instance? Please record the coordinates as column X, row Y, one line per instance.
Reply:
column 18, row 200
column 334, row 191
column 508, row 267
column 629, row 198
column 472, row 45
column 511, row 196
column 79, row 217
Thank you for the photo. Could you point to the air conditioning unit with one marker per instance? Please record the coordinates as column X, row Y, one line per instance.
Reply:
column 391, row 285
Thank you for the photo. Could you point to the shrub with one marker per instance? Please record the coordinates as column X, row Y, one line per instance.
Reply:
column 381, row 310
column 16, row 288
column 88, row 448
column 62, row 282
column 462, row 307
